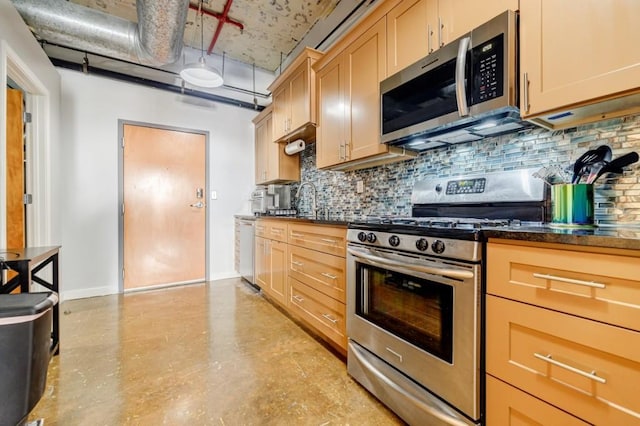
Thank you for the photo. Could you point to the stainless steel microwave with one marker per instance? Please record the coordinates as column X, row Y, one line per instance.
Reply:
column 462, row 92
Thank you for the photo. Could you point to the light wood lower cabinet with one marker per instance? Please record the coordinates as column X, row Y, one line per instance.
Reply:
column 562, row 325
column 302, row 267
column 320, row 311
column 507, row 405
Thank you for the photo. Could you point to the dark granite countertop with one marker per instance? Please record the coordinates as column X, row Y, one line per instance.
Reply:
column 622, row 237
column 306, row 219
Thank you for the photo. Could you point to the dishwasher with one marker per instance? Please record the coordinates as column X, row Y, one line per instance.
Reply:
column 246, row 269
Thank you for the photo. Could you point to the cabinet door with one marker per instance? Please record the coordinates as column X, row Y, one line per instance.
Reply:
column 300, row 112
column 278, row 267
column 461, row 16
column 261, row 265
column 507, row 405
column 571, row 61
column 408, row 34
column 281, row 108
column 262, row 141
column 330, row 131
column 366, row 62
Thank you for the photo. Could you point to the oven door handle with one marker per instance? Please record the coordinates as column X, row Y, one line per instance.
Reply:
column 380, row 261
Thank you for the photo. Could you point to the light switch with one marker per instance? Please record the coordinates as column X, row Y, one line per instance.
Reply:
column 214, row 195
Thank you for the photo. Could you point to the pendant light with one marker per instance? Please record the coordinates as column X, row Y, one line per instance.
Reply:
column 199, row 73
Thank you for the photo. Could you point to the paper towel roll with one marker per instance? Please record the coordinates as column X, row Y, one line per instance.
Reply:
column 294, row 147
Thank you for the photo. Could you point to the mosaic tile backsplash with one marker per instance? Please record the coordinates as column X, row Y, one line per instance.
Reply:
column 387, row 189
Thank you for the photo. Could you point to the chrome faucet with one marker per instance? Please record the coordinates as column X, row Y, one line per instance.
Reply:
column 314, row 209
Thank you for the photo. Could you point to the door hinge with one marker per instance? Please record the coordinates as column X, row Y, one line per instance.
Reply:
column 27, row 199
column 122, row 274
column 122, row 142
column 122, row 209
column 26, row 118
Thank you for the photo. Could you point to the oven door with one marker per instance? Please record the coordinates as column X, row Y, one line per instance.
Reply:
column 421, row 315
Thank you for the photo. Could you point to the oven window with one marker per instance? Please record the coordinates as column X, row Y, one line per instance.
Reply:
column 417, row 310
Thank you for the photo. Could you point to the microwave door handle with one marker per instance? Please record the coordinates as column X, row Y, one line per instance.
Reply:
column 380, row 261
column 461, row 66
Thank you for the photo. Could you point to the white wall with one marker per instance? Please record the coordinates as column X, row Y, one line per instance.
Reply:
column 91, row 108
column 24, row 60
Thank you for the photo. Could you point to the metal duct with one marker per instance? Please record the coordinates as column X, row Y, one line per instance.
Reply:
column 155, row 40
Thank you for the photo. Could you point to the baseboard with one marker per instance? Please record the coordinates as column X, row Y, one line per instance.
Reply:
column 224, row 276
column 87, row 292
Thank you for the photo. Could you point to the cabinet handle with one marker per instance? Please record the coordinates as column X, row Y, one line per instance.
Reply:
column 293, row 262
column 429, row 34
column 296, row 235
column 327, row 240
column 548, row 358
column 326, row 274
column 440, row 27
column 328, row 317
column 526, row 92
column 297, row 298
column 340, row 155
column 276, row 231
column 592, row 284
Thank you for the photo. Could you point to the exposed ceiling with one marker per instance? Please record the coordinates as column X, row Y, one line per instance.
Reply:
column 250, row 41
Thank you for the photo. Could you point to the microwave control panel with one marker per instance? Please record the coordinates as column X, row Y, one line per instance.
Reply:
column 488, row 64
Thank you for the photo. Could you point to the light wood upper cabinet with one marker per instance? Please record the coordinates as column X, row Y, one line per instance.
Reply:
column 294, row 109
column 570, row 63
column 408, row 34
column 349, row 100
column 416, row 28
column 272, row 164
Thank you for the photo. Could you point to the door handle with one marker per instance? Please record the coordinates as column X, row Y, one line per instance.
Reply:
column 199, row 204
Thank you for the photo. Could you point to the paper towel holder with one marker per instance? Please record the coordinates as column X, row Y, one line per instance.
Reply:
column 294, row 147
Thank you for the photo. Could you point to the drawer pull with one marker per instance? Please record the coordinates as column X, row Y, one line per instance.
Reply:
column 293, row 262
column 550, row 360
column 570, row 280
column 328, row 317
column 325, row 274
column 327, row 240
column 296, row 235
column 297, row 298
column 276, row 231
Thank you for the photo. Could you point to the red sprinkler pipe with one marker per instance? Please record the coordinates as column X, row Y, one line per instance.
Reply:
column 223, row 18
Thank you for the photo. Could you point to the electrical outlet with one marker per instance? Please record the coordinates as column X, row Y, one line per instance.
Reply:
column 359, row 187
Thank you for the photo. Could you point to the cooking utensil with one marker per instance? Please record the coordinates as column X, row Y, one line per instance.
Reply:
column 595, row 168
column 616, row 165
column 586, row 160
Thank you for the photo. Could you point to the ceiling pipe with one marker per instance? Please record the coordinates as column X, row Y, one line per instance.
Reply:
column 155, row 40
column 223, row 18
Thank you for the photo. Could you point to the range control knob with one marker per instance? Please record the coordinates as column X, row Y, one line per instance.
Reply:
column 422, row 244
column 362, row 237
column 437, row 246
column 394, row 240
column 371, row 237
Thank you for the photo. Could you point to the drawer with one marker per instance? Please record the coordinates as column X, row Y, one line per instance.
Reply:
column 320, row 271
column 587, row 368
column 603, row 287
column 507, row 405
column 320, row 311
column 260, row 229
column 327, row 239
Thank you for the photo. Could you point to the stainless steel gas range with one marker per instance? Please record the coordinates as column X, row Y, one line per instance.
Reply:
column 415, row 290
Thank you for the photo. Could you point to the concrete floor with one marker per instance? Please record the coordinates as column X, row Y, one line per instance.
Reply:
column 215, row 354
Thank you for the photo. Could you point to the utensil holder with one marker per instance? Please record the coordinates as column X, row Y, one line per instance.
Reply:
column 572, row 205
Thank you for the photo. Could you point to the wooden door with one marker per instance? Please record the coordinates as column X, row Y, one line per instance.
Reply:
column 407, row 34
column 15, row 170
column 281, row 108
column 571, row 61
column 164, row 207
column 263, row 138
column 300, row 105
column 367, row 65
column 468, row 14
column 331, row 120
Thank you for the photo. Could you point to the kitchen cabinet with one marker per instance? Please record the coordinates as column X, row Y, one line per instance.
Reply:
column 271, row 162
column 271, row 256
column 563, row 326
column 349, row 103
column 294, row 108
column 419, row 27
column 317, row 279
column 579, row 70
